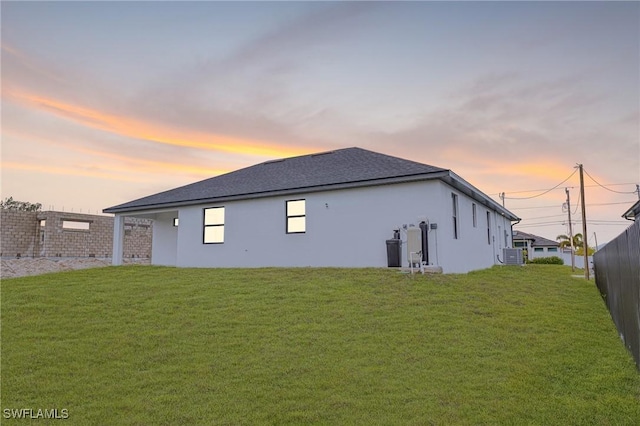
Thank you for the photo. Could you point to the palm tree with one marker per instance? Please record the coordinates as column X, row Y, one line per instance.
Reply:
column 566, row 242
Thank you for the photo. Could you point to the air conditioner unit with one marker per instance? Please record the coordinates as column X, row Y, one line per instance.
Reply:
column 512, row 256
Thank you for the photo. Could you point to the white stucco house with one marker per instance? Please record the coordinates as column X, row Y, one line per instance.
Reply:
column 536, row 246
column 334, row 208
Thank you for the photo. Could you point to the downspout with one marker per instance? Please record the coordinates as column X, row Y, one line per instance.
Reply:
column 512, row 225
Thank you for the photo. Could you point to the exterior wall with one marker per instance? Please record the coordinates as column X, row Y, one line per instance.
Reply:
column 345, row 228
column 138, row 237
column 544, row 251
column 19, row 233
column 23, row 234
column 57, row 241
column 547, row 251
column 578, row 258
column 478, row 246
column 165, row 240
column 534, row 252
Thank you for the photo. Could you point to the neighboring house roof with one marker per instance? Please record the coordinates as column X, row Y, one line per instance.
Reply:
column 343, row 168
column 536, row 241
column 633, row 212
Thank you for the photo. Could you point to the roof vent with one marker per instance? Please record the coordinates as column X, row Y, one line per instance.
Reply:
column 274, row 161
column 322, row 153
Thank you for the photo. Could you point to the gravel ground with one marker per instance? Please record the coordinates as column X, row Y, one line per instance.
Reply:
column 12, row 268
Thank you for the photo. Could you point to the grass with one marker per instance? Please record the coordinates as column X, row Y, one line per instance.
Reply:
column 151, row 345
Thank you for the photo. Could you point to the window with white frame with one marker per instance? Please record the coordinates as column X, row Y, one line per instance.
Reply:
column 296, row 217
column 214, row 225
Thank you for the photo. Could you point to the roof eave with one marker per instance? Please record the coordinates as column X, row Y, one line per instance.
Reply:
column 289, row 191
column 446, row 176
column 463, row 186
column 632, row 212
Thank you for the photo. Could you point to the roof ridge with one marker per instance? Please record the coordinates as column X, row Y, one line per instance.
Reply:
column 337, row 168
column 310, row 155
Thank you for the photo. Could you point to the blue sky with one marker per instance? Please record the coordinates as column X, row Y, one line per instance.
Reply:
column 104, row 102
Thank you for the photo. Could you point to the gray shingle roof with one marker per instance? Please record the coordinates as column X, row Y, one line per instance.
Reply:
column 537, row 241
column 349, row 167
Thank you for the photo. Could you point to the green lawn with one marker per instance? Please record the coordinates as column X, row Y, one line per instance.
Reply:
column 150, row 345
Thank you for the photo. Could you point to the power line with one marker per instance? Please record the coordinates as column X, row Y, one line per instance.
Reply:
column 541, row 194
column 610, row 204
column 578, row 203
column 603, row 222
column 603, row 186
column 588, row 205
column 571, row 187
column 561, row 223
column 543, row 217
column 530, row 208
column 538, row 225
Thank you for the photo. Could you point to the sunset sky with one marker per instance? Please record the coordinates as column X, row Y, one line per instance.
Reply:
column 105, row 102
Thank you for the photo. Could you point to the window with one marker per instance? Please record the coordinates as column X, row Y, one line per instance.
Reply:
column 489, row 228
column 474, row 214
column 175, row 221
column 519, row 244
column 553, row 249
column 296, row 217
column 454, row 202
column 214, row 225
column 538, row 249
column 75, row 225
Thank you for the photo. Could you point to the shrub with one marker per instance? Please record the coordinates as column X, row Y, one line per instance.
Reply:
column 553, row 260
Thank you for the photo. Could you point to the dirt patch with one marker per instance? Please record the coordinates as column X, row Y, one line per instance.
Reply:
column 12, row 268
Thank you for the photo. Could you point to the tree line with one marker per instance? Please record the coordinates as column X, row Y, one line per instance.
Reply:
column 10, row 204
column 578, row 243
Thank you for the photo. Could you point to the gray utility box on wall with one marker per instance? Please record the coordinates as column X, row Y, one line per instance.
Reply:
column 512, row 256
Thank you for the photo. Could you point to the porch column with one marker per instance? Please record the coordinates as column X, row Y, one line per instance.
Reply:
column 118, row 239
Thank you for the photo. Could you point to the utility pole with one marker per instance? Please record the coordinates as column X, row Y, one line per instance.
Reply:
column 573, row 255
column 585, row 243
column 501, row 195
column 595, row 237
column 638, row 190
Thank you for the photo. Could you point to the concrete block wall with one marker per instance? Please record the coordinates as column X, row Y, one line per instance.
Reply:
column 137, row 238
column 43, row 234
column 58, row 241
column 18, row 233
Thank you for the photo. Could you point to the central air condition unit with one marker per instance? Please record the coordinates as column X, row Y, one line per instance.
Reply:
column 512, row 256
